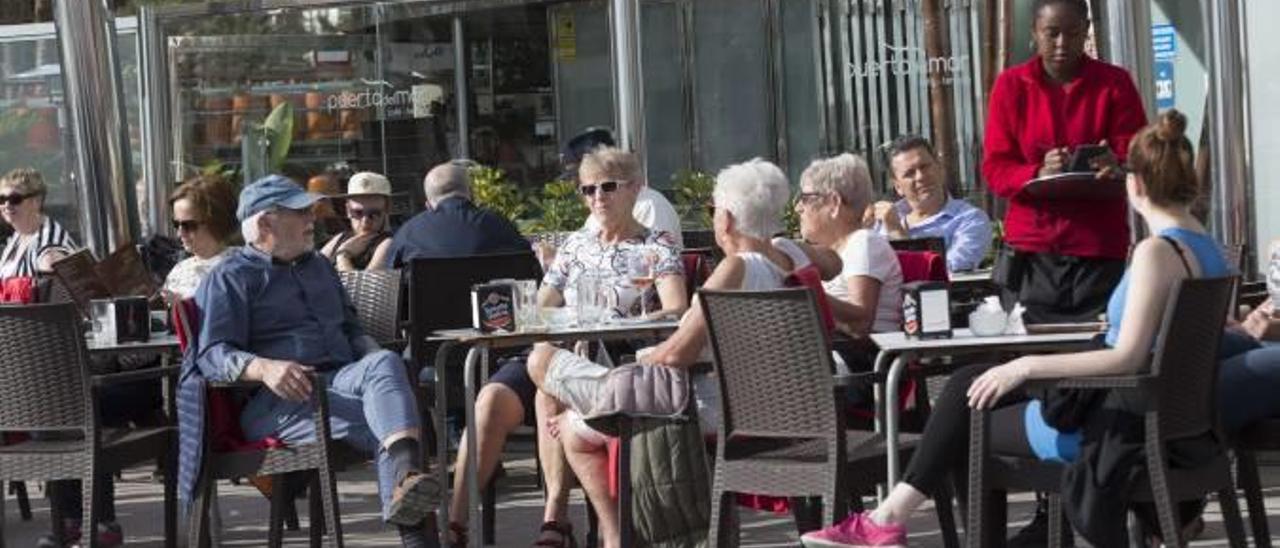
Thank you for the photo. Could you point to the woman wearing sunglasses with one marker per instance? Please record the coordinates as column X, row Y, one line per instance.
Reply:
column 368, row 206
column 37, row 241
column 204, row 219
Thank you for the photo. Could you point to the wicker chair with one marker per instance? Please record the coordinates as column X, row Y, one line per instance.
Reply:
column 376, row 295
column 1181, row 388
column 1263, row 435
column 314, row 456
column 782, row 428
column 48, row 387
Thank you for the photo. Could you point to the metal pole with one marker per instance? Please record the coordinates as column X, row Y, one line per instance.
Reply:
column 626, row 76
column 1129, row 45
column 157, row 151
column 90, row 72
column 460, row 87
column 1227, row 121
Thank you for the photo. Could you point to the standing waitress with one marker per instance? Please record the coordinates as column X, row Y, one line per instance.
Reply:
column 1065, row 255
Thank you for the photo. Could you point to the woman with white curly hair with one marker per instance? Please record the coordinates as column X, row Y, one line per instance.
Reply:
column 748, row 200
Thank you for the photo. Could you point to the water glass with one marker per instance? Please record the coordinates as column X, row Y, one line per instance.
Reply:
column 587, row 299
column 1273, row 277
column 526, row 297
column 102, row 313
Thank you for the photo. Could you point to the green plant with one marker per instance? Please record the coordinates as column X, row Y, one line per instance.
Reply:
column 266, row 147
column 490, row 188
column 692, row 192
column 791, row 219
column 560, row 207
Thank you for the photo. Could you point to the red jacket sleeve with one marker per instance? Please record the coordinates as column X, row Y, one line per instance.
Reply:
column 1003, row 165
column 1128, row 116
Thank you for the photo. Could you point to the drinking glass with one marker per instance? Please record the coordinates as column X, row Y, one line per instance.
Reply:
column 587, row 299
column 527, row 304
column 640, row 273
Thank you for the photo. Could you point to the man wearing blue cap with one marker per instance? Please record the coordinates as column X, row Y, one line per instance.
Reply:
column 274, row 311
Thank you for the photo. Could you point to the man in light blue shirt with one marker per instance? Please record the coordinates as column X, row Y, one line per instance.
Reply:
column 926, row 210
column 276, row 312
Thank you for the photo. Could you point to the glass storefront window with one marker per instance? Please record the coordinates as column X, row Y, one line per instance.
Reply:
column 33, row 128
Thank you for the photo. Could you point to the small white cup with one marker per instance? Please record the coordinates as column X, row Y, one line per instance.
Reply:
column 987, row 323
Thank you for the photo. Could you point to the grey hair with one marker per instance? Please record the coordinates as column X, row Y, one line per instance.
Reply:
column 249, row 227
column 447, row 180
column 845, row 175
column 755, row 192
column 614, row 163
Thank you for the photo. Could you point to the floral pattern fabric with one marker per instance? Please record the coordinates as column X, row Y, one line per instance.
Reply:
column 584, row 254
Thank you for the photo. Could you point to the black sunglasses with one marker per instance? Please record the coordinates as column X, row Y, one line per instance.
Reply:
column 13, row 199
column 186, row 226
column 358, row 214
column 590, row 190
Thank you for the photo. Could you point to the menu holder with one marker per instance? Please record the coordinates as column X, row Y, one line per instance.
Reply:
column 121, row 274
column 493, row 307
column 1084, row 185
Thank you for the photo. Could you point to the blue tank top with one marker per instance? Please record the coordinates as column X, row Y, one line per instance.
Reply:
column 1208, row 253
column 1046, row 441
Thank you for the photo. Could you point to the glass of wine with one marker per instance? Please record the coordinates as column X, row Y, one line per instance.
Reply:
column 640, row 273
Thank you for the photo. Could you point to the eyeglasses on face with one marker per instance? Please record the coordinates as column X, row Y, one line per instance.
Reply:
column 186, row 226
column 607, row 187
column 359, row 214
column 14, row 199
column 809, row 197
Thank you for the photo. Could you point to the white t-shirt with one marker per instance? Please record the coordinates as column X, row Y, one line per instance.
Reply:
column 654, row 212
column 866, row 253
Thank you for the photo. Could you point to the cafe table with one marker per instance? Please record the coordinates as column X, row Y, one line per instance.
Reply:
column 479, row 346
column 162, row 344
column 897, row 350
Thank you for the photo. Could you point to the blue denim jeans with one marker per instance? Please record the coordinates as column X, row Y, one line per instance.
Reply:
column 1248, row 382
column 368, row 401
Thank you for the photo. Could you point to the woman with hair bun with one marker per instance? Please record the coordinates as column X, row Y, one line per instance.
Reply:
column 1161, row 187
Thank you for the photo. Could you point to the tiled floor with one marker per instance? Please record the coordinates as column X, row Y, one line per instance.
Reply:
column 519, row 512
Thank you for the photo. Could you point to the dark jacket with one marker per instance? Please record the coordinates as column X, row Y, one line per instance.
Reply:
column 454, row 228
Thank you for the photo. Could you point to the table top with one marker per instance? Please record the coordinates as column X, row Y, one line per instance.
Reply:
column 971, row 276
column 964, row 338
column 521, row 338
column 159, row 341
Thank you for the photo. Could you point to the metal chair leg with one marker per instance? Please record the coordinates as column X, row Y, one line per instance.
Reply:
column 1231, row 516
column 1247, row 475
column 275, row 521
column 19, row 490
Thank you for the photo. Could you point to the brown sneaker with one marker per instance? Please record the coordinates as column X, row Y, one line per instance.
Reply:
column 415, row 497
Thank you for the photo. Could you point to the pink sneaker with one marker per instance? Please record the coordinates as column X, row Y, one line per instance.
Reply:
column 855, row 532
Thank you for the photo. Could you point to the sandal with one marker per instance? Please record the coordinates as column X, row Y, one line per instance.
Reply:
column 563, row 538
column 460, row 535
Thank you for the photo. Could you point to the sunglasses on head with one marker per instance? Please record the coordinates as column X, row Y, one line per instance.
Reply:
column 186, row 226
column 359, row 214
column 607, row 187
column 13, row 199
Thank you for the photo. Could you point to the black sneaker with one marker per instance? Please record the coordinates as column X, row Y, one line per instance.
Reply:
column 1036, row 533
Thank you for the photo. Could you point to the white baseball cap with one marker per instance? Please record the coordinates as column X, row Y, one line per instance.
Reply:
column 368, row 183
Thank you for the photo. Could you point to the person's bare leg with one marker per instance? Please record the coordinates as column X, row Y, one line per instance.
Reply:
column 498, row 413
column 555, row 471
column 590, row 462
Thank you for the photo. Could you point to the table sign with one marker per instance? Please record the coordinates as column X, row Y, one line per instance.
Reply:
column 926, row 310
column 493, row 307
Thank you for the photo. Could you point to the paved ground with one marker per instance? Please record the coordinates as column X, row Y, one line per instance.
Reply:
column 519, row 511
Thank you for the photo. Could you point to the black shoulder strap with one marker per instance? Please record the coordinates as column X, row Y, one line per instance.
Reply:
column 1181, row 255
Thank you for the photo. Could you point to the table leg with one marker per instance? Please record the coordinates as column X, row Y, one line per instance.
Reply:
column 881, row 365
column 891, row 418
column 439, row 410
column 474, row 357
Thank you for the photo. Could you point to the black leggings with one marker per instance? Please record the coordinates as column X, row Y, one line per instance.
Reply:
column 944, row 447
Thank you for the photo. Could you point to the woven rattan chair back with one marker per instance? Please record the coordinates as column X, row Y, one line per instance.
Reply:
column 440, row 288
column 1186, row 356
column 376, row 296
column 45, row 384
column 773, row 363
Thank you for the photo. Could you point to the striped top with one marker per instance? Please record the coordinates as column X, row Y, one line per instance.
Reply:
column 22, row 255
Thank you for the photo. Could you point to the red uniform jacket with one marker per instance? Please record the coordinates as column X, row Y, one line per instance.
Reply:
column 1027, row 117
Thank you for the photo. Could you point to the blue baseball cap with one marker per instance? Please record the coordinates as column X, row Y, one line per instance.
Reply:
column 273, row 191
